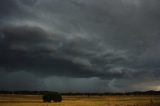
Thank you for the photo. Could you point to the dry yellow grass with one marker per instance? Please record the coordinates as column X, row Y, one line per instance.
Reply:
column 32, row 100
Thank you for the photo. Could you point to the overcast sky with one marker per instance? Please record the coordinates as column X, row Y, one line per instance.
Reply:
column 80, row 45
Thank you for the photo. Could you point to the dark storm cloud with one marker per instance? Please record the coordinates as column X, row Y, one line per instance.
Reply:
column 97, row 41
column 32, row 49
column 25, row 48
column 20, row 80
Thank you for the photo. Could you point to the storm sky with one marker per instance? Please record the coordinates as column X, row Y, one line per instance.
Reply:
column 80, row 45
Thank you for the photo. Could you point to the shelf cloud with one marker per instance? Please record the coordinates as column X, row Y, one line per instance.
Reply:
column 79, row 45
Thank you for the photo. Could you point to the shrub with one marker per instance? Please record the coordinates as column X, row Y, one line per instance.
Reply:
column 56, row 97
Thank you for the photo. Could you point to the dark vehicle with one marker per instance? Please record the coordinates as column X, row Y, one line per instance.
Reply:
column 56, row 97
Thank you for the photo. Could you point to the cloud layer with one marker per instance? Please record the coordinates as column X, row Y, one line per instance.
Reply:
column 80, row 45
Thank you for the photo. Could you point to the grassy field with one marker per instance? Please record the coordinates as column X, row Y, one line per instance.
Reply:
column 32, row 100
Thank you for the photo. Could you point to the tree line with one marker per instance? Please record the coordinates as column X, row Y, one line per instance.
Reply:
column 87, row 94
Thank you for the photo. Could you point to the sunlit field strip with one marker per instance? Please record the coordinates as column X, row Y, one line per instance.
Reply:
column 30, row 100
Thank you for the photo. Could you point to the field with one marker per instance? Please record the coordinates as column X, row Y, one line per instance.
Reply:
column 35, row 100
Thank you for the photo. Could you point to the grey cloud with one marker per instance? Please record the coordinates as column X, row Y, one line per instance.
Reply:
column 110, row 40
column 20, row 80
column 24, row 48
column 65, row 84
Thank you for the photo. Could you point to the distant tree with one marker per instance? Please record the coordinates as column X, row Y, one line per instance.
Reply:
column 56, row 97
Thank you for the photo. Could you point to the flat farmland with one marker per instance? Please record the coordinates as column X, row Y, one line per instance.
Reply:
column 36, row 100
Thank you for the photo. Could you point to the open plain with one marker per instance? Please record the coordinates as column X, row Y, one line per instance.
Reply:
column 36, row 100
